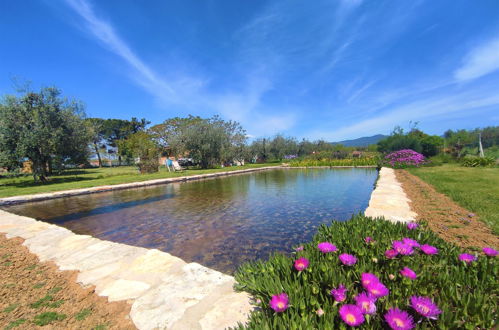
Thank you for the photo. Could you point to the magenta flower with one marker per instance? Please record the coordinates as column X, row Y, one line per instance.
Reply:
column 279, row 302
column 377, row 289
column 428, row 249
column 351, row 315
column 368, row 278
column 299, row 248
column 301, row 264
column 347, row 259
column 399, row 320
column 409, row 273
column 326, row 247
column 468, row 258
column 339, row 294
column 490, row 251
column 366, row 303
column 411, row 242
column 412, row 225
column 391, row 254
column 402, row 248
column 369, row 240
column 425, row 307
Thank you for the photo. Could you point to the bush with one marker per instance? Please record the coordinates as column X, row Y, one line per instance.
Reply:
column 373, row 161
column 465, row 293
column 473, row 161
column 404, row 158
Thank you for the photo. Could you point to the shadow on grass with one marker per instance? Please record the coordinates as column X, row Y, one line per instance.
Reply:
column 51, row 181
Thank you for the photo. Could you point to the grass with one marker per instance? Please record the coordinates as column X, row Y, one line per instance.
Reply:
column 83, row 314
column 476, row 189
column 86, row 178
column 47, row 318
column 10, row 308
column 15, row 323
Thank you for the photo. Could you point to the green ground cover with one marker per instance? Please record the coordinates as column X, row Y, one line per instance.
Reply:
column 85, row 178
column 476, row 189
column 296, row 292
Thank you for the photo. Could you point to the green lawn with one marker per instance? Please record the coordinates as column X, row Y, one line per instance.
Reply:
column 476, row 189
column 84, row 178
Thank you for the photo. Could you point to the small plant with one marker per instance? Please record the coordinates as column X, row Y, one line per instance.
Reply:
column 38, row 285
column 47, row 301
column 47, row 318
column 83, row 314
column 10, row 308
column 474, row 161
column 15, row 323
column 374, row 274
column 404, row 158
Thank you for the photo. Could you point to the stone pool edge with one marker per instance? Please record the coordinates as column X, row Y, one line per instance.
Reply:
column 389, row 200
column 164, row 291
column 97, row 189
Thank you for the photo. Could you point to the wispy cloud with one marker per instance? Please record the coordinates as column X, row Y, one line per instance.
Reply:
column 480, row 61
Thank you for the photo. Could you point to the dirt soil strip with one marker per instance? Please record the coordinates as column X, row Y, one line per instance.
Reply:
column 449, row 220
column 36, row 294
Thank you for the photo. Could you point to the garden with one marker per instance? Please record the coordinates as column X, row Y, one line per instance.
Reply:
column 375, row 274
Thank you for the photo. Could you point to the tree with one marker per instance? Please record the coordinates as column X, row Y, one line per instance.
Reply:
column 115, row 130
column 43, row 128
column 142, row 145
column 170, row 134
column 95, row 127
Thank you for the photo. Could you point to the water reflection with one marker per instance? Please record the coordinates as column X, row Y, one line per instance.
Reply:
column 219, row 222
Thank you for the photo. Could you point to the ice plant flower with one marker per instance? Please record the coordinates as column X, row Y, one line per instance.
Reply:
column 391, row 254
column 468, row 258
column 490, row 251
column 326, row 247
column 377, row 289
column 299, row 248
column 425, row 307
column 409, row 273
column 339, row 294
column 351, row 315
column 319, row 312
column 402, row 248
column 301, row 264
column 412, row 225
column 347, row 259
column 411, row 242
column 369, row 240
column 428, row 249
column 399, row 320
column 279, row 302
column 368, row 278
column 366, row 303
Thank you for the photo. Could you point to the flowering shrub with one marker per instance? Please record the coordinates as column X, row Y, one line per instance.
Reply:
column 424, row 281
column 404, row 158
column 373, row 161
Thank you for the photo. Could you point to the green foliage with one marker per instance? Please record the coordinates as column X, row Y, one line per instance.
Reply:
column 428, row 145
column 47, row 301
column 467, row 294
column 474, row 161
column 10, row 308
column 142, row 145
column 47, row 318
column 80, row 316
column 15, row 323
column 43, row 128
column 372, row 161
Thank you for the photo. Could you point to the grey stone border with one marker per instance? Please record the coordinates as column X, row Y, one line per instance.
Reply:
column 83, row 191
column 389, row 200
column 165, row 292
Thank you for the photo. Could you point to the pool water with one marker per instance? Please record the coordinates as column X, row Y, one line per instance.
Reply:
column 220, row 222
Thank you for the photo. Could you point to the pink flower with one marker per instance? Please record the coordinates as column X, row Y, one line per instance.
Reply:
column 402, row 248
column 490, row 251
column 425, row 307
column 399, row 320
column 377, row 289
column 428, row 249
column 468, row 258
column 347, row 259
column 368, row 278
column 339, row 294
column 391, row 254
column 411, row 242
column 412, row 225
column 369, row 240
column 299, row 248
column 351, row 315
column 319, row 312
column 301, row 264
column 326, row 247
column 366, row 303
column 409, row 273
column 279, row 303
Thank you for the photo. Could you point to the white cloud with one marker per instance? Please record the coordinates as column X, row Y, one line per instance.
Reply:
column 480, row 61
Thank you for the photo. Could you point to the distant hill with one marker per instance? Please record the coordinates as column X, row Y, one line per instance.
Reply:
column 363, row 141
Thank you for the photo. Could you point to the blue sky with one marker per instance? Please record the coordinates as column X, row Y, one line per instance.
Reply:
column 323, row 69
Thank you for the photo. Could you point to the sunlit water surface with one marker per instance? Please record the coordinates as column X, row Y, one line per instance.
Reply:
column 220, row 222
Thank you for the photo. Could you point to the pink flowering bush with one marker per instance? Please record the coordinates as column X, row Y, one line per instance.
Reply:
column 404, row 158
column 409, row 277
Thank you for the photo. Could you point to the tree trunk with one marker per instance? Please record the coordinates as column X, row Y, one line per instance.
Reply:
column 98, row 154
column 119, row 160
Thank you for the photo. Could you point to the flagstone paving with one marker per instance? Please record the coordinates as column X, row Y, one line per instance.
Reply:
column 165, row 292
column 389, row 200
